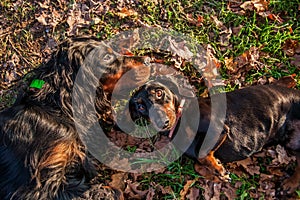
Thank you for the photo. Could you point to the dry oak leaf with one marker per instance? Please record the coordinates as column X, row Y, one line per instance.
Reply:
column 210, row 72
column 118, row 180
column 42, row 19
column 133, row 192
column 258, row 5
column 195, row 21
column 250, row 57
column 125, row 12
column 164, row 190
column 296, row 60
column 249, row 166
column 290, row 46
column 261, row 7
column 150, row 194
column 78, row 16
column 275, row 170
column 230, row 64
column 229, row 191
column 286, row 81
column 282, row 156
column 193, row 194
column 208, row 189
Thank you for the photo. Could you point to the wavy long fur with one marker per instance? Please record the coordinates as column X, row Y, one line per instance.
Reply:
column 41, row 155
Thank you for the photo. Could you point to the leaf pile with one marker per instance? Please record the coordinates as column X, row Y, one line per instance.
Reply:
column 250, row 42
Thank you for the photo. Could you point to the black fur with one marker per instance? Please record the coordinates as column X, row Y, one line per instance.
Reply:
column 255, row 117
column 41, row 154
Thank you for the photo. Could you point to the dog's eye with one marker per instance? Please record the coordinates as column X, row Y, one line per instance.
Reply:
column 141, row 107
column 159, row 93
column 108, row 58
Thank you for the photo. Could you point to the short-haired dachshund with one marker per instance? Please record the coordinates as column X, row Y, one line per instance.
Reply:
column 255, row 116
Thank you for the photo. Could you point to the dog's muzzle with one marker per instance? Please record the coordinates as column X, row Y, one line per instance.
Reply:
column 151, row 113
column 158, row 117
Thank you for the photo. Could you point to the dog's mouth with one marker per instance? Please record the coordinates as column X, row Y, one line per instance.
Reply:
column 153, row 116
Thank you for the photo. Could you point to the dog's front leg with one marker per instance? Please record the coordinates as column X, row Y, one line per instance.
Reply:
column 211, row 168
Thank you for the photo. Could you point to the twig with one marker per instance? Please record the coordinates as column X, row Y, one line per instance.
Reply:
column 18, row 52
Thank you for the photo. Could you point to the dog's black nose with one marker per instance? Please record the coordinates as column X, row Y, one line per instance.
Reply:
column 166, row 124
column 161, row 123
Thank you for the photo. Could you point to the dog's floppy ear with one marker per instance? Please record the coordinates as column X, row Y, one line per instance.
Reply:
column 177, row 84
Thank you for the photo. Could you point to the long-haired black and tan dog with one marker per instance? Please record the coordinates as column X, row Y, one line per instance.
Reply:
column 255, row 117
column 41, row 154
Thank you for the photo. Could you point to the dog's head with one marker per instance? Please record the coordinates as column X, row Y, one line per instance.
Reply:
column 158, row 102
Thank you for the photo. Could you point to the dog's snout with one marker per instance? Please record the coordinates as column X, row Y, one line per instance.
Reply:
column 159, row 117
column 161, row 123
column 140, row 108
column 167, row 122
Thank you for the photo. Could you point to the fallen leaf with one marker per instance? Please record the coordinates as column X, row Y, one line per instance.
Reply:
column 247, row 5
column 98, row 191
column 210, row 72
column 118, row 180
column 217, row 22
column 239, row 67
column 217, row 191
column 229, row 191
column 165, row 190
column 195, row 21
column 230, row 64
column 186, row 188
column 10, row 76
column 235, row 7
column 236, row 30
column 286, row 81
column 78, row 16
column 275, row 18
column 225, row 36
column 208, row 190
column 282, row 157
column 289, row 47
column 193, row 194
column 125, row 12
column 263, row 80
column 42, row 19
column 260, row 5
column 150, row 194
column 296, row 60
column 267, row 187
column 133, row 192
column 275, row 170
column 44, row 5
column 249, row 166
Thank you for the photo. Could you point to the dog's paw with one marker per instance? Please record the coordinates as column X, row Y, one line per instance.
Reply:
column 222, row 173
column 225, row 177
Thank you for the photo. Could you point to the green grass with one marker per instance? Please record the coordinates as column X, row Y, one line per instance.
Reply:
column 247, row 185
column 176, row 177
column 254, row 31
column 298, row 193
